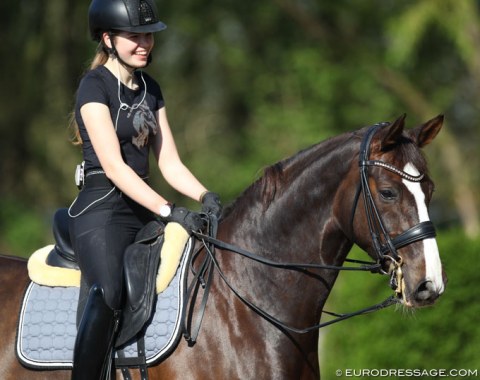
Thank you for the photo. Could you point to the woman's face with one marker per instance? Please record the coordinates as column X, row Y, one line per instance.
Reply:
column 134, row 48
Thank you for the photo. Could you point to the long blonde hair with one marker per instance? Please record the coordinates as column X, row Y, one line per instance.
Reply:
column 100, row 58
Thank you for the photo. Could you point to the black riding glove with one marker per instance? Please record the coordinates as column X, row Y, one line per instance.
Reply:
column 191, row 221
column 211, row 204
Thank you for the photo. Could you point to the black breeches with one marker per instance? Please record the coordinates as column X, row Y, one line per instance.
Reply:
column 101, row 233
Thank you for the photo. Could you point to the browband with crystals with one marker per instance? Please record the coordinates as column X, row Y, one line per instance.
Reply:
column 393, row 169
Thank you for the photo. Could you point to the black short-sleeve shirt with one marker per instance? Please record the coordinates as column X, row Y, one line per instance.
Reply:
column 132, row 112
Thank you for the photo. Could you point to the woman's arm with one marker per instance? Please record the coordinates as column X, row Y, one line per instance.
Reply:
column 101, row 131
column 173, row 170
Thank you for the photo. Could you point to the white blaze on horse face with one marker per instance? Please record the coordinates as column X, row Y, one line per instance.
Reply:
column 433, row 264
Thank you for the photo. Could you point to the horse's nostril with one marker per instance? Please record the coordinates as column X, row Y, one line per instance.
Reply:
column 426, row 292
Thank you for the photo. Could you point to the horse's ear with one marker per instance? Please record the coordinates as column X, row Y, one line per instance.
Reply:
column 425, row 133
column 391, row 134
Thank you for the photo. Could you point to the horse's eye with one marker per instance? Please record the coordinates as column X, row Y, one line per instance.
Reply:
column 388, row 194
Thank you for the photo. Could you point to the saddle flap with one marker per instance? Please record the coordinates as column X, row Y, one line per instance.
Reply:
column 150, row 232
column 141, row 262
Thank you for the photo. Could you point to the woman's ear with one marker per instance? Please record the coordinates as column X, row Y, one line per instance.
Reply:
column 107, row 40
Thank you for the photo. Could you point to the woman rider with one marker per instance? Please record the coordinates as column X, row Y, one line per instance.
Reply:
column 120, row 116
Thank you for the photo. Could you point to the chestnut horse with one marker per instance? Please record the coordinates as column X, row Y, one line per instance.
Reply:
column 369, row 187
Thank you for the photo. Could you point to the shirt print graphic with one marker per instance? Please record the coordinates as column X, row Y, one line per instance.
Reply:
column 144, row 123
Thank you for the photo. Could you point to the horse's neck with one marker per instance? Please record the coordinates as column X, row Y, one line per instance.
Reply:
column 295, row 224
column 292, row 206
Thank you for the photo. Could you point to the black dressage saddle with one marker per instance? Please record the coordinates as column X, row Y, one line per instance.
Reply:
column 141, row 262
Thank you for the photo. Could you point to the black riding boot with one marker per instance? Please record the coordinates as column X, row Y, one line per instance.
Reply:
column 92, row 358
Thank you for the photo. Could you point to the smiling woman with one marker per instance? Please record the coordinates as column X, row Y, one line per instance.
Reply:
column 132, row 50
column 120, row 118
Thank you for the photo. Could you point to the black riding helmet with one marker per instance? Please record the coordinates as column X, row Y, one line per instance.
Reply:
column 137, row 16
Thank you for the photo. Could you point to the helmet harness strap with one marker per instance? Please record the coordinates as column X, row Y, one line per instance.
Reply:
column 113, row 52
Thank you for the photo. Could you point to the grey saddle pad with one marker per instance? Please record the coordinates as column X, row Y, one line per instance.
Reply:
column 47, row 326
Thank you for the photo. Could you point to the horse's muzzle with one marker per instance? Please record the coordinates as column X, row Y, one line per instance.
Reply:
column 426, row 294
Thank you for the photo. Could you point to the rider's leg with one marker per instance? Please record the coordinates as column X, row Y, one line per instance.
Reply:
column 96, row 333
column 99, row 237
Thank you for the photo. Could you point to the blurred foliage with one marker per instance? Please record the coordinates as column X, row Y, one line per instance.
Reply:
column 247, row 84
column 444, row 336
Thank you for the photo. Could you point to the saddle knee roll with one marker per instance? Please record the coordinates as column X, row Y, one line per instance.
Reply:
column 176, row 238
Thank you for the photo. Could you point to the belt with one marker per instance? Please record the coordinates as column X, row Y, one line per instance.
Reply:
column 97, row 178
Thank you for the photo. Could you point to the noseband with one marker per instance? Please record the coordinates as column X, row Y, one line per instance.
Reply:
column 385, row 248
column 384, row 245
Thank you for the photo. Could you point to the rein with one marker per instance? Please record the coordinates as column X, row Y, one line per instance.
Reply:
column 384, row 245
column 210, row 243
column 203, row 278
column 366, row 266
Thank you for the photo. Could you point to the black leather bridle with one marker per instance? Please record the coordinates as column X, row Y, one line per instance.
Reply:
column 384, row 245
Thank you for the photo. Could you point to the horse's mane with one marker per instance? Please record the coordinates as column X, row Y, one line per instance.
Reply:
column 274, row 177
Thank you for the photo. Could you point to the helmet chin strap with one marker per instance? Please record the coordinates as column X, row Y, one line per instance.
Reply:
column 113, row 52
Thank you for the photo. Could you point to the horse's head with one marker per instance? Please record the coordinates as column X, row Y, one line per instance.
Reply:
column 390, row 218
